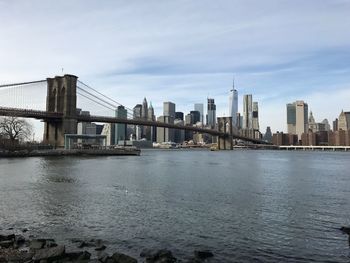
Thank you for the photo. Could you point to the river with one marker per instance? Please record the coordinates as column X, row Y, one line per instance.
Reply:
column 244, row 205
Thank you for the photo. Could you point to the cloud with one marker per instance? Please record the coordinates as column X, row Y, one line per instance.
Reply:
column 184, row 51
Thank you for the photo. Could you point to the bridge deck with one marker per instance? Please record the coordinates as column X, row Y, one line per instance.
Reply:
column 56, row 116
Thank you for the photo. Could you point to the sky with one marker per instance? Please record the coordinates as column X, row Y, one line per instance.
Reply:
column 185, row 51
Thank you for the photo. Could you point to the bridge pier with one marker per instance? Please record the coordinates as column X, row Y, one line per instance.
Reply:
column 61, row 97
column 225, row 126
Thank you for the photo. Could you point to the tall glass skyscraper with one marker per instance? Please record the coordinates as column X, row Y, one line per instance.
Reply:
column 297, row 118
column 233, row 105
column 200, row 108
column 211, row 121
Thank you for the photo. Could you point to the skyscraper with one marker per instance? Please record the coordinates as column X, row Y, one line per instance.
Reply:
column 211, row 121
column 151, row 117
column 233, row 105
column 297, row 118
column 344, row 121
column 195, row 116
column 200, row 108
column 255, row 116
column 144, row 110
column 247, row 111
column 169, row 109
column 120, row 129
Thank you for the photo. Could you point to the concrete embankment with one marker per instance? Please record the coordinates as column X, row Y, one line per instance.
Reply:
column 75, row 152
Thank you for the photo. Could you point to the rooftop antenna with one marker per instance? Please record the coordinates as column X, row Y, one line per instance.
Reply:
column 233, row 83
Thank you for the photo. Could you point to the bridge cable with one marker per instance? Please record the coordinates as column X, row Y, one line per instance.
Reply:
column 105, row 96
column 21, row 84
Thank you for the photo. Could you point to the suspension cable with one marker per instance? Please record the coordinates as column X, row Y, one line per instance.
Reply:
column 22, row 83
column 105, row 96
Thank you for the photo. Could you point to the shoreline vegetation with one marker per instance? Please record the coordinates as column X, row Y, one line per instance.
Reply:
column 25, row 248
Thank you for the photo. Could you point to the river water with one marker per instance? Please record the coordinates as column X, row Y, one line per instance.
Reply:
column 244, row 206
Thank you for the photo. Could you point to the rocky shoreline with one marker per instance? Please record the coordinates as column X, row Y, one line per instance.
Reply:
column 20, row 249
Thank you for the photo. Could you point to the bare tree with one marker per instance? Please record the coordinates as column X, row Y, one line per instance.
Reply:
column 15, row 128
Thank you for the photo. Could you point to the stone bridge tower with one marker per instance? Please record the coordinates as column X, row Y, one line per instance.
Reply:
column 62, row 98
column 225, row 125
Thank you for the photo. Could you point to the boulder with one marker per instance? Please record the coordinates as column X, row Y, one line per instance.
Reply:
column 203, row 254
column 345, row 230
column 37, row 244
column 158, row 256
column 103, row 247
column 6, row 243
column 122, row 258
column 78, row 256
column 7, row 237
column 50, row 254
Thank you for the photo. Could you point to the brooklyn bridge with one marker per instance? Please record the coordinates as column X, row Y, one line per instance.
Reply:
column 60, row 116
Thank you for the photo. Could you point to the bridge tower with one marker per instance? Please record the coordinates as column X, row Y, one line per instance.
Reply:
column 62, row 98
column 225, row 125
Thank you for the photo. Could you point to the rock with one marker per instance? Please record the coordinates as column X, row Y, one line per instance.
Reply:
column 105, row 258
column 86, row 244
column 103, row 247
column 6, row 244
column 158, row 256
column 80, row 255
column 7, row 237
column 203, row 254
column 24, row 230
column 50, row 254
column 345, row 230
column 122, row 258
column 10, row 228
column 37, row 244
column 20, row 240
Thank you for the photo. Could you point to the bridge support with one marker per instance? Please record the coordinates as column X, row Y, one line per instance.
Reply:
column 225, row 125
column 61, row 97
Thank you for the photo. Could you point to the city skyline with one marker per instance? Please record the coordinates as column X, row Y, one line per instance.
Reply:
column 123, row 50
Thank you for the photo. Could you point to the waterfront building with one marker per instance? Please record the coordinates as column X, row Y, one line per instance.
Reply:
column 312, row 123
column 120, row 129
column 233, row 105
column 344, row 121
column 297, row 118
column 211, row 116
column 200, row 108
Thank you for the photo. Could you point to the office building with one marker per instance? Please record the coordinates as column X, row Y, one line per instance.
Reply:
column 153, row 130
column 233, row 105
column 120, row 129
column 344, row 121
column 179, row 115
column 247, row 111
column 297, row 118
column 211, row 116
column 200, row 108
column 195, row 117
column 169, row 109
column 255, row 116
column 268, row 135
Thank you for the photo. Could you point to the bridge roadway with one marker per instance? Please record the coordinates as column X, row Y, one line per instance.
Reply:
column 56, row 116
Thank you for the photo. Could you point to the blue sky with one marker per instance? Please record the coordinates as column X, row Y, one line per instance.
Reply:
column 184, row 51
